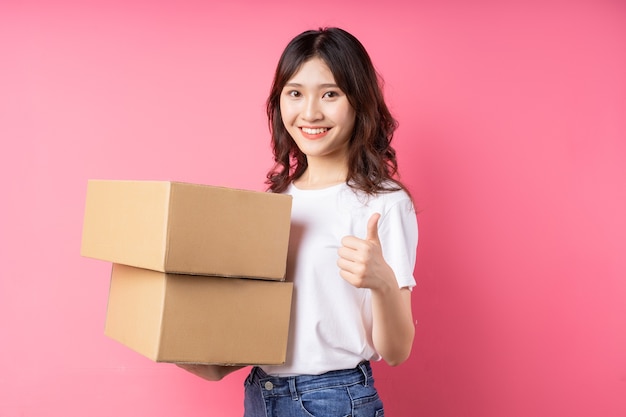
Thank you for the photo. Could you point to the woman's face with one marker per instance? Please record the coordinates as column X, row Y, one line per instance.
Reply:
column 316, row 113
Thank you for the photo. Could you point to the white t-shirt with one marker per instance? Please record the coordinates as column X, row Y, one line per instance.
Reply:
column 331, row 320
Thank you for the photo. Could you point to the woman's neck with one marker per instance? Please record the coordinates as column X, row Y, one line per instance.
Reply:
column 322, row 174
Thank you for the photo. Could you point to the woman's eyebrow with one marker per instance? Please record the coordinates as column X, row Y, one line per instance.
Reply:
column 298, row 85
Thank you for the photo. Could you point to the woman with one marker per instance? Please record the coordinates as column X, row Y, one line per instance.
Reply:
column 353, row 235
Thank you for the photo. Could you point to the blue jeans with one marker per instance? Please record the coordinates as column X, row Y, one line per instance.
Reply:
column 344, row 393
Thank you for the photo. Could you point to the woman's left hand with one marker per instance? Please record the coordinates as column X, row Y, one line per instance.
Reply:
column 361, row 261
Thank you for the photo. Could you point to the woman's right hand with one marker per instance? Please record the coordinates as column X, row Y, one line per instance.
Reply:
column 209, row 372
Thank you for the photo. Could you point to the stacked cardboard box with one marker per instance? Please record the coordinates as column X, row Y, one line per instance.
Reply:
column 197, row 271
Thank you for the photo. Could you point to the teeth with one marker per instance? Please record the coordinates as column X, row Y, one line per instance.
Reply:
column 314, row 131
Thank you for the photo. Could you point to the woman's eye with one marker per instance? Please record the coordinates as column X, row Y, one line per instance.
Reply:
column 330, row 94
column 293, row 93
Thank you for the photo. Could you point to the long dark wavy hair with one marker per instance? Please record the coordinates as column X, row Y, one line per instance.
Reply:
column 372, row 165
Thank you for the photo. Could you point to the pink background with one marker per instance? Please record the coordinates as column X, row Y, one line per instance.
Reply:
column 512, row 139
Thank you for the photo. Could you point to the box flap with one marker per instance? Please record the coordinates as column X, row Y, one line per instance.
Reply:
column 135, row 309
column 125, row 222
column 225, row 321
column 235, row 232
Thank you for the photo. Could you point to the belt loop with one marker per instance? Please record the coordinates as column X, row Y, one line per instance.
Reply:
column 253, row 374
column 292, row 389
column 363, row 368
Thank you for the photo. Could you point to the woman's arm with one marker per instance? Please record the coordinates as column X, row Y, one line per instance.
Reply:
column 393, row 330
column 209, row 372
column 362, row 264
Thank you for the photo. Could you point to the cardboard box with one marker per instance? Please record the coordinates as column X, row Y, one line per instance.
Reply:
column 187, row 228
column 196, row 319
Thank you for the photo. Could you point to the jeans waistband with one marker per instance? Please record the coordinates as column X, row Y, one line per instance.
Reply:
column 292, row 385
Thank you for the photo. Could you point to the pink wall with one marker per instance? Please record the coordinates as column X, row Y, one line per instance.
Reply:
column 512, row 139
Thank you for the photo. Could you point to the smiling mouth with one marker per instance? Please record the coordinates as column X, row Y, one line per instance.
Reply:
column 316, row 131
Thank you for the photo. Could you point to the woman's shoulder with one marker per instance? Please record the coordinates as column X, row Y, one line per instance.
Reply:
column 396, row 199
column 392, row 192
column 389, row 195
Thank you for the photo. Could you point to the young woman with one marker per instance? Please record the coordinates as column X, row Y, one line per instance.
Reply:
column 353, row 236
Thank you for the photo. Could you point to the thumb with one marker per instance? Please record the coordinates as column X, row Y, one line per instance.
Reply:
column 372, row 227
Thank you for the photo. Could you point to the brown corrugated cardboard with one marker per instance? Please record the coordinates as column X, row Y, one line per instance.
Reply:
column 196, row 319
column 187, row 228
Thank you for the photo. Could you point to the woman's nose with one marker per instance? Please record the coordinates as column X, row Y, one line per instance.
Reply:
column 312, row 110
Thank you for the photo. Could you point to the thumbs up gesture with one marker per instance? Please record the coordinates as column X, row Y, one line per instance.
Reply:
column 361, row 261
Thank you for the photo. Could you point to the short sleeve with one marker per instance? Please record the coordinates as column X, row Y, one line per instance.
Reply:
column 398, row 234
